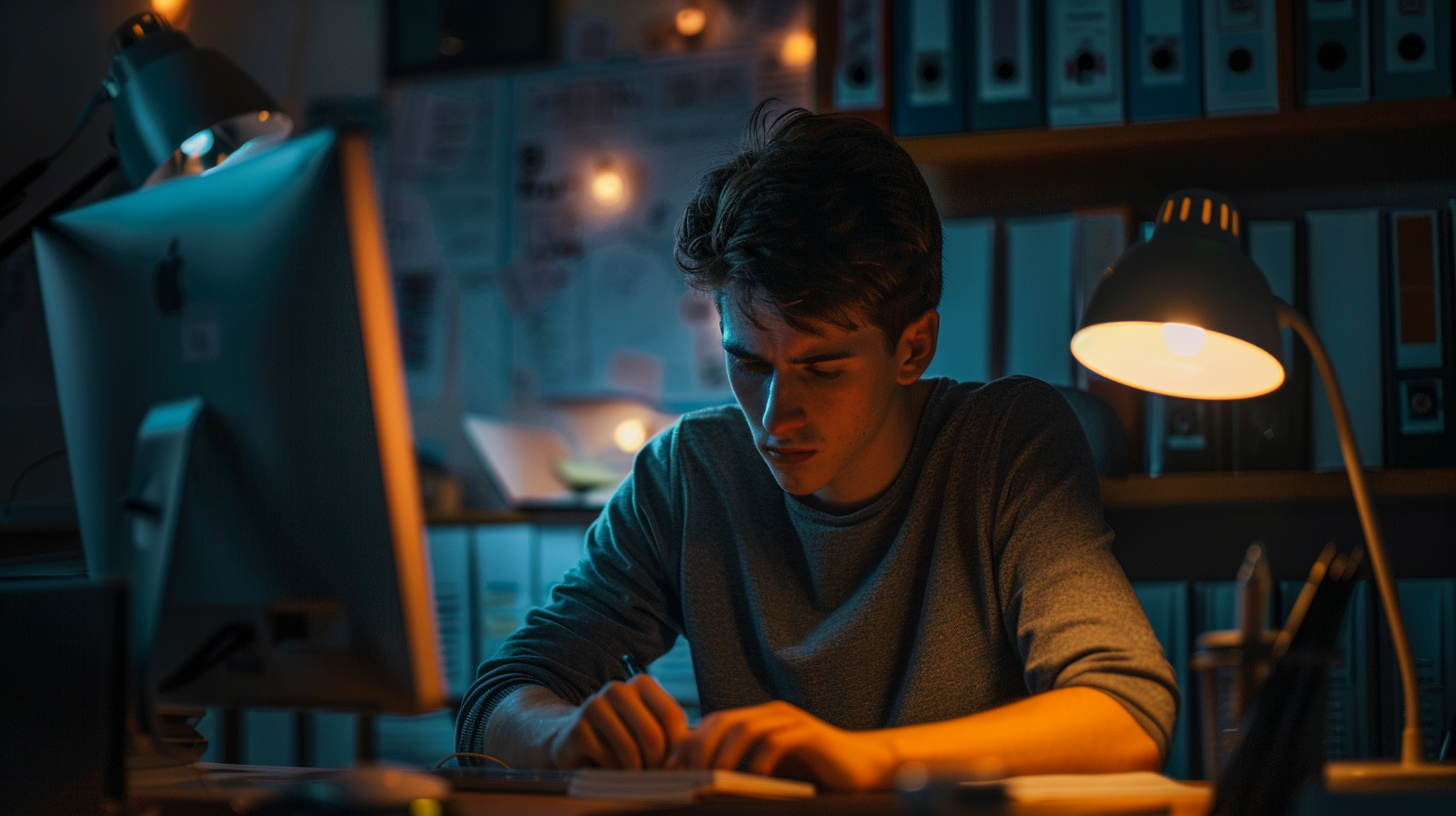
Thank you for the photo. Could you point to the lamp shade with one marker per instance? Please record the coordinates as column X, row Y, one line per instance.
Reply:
column 1187, row 313
column 179, row 109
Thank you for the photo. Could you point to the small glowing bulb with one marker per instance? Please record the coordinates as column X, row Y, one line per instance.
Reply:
column 263, row 116
column 798, row 50
column 691, row 21
column 630, row 435
column 1184, row 340
column 608, row 188
column 198, row 143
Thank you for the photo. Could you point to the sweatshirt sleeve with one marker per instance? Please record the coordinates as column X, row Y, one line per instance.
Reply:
column 1068, row 607
column 618, row 600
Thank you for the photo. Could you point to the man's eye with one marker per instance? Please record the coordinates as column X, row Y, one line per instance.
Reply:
column 750, row 366
column 825, row 374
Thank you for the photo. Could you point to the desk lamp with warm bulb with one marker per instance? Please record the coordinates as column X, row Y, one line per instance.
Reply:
column 1189, row 315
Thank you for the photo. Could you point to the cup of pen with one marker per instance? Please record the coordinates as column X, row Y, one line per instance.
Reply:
column 1231, row 666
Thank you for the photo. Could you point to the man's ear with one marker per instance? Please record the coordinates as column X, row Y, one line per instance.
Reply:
column 917, row 347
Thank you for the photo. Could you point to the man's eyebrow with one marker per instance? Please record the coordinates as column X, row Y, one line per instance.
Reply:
column 829, row 356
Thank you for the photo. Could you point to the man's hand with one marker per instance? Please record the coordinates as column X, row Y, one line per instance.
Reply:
column 780, row 732
column 624, row 725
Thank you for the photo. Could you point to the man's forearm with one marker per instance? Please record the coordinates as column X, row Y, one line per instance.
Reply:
column 1069, row 730
column 521, row 727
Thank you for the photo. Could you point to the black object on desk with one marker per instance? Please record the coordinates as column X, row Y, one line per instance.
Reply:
column 62, row 696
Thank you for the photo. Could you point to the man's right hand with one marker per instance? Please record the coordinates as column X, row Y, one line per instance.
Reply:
column 624, row 725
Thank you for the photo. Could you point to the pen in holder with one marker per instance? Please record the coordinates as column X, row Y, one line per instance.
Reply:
column 1233, row 663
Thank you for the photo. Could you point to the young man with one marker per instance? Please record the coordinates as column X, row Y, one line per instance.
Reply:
column 870, row 568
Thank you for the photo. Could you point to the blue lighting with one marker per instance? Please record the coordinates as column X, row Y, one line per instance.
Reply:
column 198, row 143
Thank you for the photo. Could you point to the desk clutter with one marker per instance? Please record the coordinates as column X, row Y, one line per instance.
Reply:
column 928, row 67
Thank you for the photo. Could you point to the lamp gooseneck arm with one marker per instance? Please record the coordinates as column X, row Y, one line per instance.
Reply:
column 1410, row 744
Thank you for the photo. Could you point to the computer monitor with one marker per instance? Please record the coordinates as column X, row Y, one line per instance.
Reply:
column 232, row 394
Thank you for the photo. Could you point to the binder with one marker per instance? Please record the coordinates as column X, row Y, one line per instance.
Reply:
column 1039, row 307
column 1271, row 432
column 1166, row 605
column 1100, row 236
column 1419, row 370
column 927, row 73
column 503, row 570
column 1430, row 621
column 1240, row 57
column 1006, row 68
column 1344, row 308
column 1164, row 60
column 860, row 84
column 1411, row 49
column 1349, row 726
column 450, row 574
column 963, row 351
column 1332, row 51
column 1084, row 62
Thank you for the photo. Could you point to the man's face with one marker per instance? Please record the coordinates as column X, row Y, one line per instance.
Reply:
column 817, row 403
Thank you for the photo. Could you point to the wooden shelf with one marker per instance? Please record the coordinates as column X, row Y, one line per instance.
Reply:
column 1177, row 489
column 552, row 515
column 1045, row 170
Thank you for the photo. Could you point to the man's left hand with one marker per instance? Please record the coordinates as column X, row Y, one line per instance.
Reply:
column 774, row 732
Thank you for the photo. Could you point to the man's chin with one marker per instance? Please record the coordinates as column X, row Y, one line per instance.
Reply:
column 794, row 483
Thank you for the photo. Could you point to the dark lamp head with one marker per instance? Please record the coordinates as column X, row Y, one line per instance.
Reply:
column 1187, row 313
column 181, row 110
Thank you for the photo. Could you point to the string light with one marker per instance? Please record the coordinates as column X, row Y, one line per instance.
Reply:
column 691, row 21
column 798, row 50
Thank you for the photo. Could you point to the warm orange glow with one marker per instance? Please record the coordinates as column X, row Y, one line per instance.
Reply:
column 798, row 50
column 1207, row 210
column 174, row 10
column 630, row 435
column 385, row 366
column 691, row 21
column 1223, row 216
column 1236, row 223
column 1183, row 213
column 608, row 188
column 1168, row 212
column 1138, row 354
column 263, row 116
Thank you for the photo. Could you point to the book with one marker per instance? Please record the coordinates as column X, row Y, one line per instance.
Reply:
column 860, row 83
column 1271, row 432
column 1344, row 309
column 1039, row 318
column 682, row 787
column 1417, row 347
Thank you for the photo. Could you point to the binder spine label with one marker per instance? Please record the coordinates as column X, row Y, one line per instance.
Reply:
column 1240, row 70
column 1162, row 51
column 859, row 76
column 1410, row 36
column 1003, row 39
column 1416, row 287
column 1336, row 52
column 930, row 55
column 1084, row 67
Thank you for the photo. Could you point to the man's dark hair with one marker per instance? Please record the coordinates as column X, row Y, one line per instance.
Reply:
column 820, row 217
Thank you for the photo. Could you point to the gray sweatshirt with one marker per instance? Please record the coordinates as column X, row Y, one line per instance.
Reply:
column 980, row 577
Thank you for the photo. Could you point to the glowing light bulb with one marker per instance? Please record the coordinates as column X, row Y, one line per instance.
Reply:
column 630, row 435
column 198, row 143
column 1184, row 340
column 608, row 188
column 691, row 21
column 798, row 50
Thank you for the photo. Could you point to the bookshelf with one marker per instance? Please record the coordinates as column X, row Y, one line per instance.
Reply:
column 1026, row 172
column 1180, row 489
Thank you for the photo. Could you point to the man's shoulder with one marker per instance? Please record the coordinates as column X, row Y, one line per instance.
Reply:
column 1010, row 398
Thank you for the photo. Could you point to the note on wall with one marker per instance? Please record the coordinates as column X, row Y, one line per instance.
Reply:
column 604, row 163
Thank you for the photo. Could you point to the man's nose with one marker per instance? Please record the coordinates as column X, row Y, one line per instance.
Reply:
column 783, row 411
